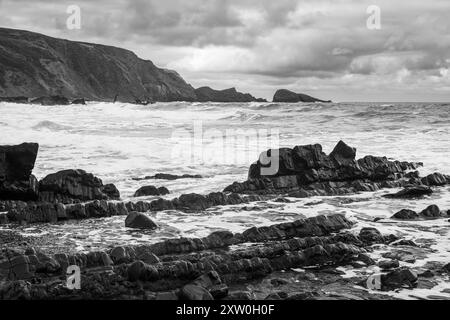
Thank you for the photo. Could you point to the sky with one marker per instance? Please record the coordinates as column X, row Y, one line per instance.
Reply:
column 322, row 48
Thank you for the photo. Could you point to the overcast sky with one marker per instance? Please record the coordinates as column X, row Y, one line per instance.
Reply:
column 322, row 48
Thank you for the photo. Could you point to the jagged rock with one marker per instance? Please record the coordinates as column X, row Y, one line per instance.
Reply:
column 20, row 99
column 151, row 191
column 411, row 192
column 406, row 214
column 16, row 165
column 399, row 278
column 284, row 95
column 73, row 185
column 343, row 153
column 50, row 100
column 138, row 220
column 432, row 211
column 307, row 171
column 388, row 264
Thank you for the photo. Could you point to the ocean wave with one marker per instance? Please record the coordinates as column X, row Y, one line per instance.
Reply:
column 50, row 125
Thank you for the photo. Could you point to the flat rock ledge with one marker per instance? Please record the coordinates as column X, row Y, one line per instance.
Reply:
column 203, row 268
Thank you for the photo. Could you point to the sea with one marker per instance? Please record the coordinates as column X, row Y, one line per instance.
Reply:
column 121, row 142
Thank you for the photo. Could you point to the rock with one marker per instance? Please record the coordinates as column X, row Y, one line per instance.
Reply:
column 305, row 171
column 138, row 220
column 16, row 165
column 19, row 99
column 111, row 191
column 149, row 258
column 371, row 235
column 206, row 94
column 435, row 179
column 151, row 191
column 240, row 295
column 80, row 71
column 69, row 185
column 219, row 291
column 405, row 214
column 388, row 264
column 195, row 292
column 411, row 192
column 399, row 278
column 284, row 95
column 432, row 211
column 51, row 100
column 79, row 101
column 343, row 153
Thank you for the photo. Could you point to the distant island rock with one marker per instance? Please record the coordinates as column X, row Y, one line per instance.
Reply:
column 33, row 65
column 284, row 95
column 207, row 94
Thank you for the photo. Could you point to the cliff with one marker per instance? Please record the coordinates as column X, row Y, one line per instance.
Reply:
column 34, row 65
column 284, row 95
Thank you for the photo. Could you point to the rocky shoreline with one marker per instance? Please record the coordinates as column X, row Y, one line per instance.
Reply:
column 301, row 259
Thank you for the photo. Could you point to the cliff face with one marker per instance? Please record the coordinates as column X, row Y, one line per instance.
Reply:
column 206, row 94
column 34, row 65
column 284, row 95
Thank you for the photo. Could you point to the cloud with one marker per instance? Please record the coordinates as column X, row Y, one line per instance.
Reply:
column 312, row 44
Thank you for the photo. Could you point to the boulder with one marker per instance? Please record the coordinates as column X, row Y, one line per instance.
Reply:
column 16, row 165
column 399, row 278
column 284, row 95
column 69, row 186
column 111, row 191
column 405, row 214
column 138, row 220
column 371, row 235
column 432, row 211
column 151, row 191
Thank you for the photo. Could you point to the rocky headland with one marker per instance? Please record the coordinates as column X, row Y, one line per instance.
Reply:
column 284, row 95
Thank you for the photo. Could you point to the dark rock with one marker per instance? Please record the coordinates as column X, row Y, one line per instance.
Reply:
column 284, row 95
column 138, row 220
column 388, row 264
column 111, row 191
column 81, row 71
column 19, row 99
column 51, row 100
column 399, row 278
column 432, row 211
column 371, row 235
column 206, row 94
column 16, row 165
column 195, row 292
column 79, row 101
column 140, row 271
column 411, row 192
column 151, row 191
column 435, row 179
column 240, row 295
column 69, row 185
column 343, row 153
column 406, row 214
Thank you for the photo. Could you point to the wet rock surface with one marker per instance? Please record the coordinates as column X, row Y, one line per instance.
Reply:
column 151, row 191
column 16, row 165
column 167, row 176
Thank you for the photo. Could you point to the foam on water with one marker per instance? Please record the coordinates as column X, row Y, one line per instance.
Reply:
column 118, row 142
